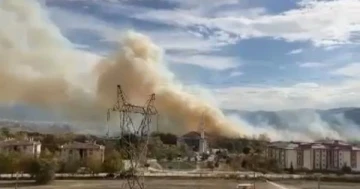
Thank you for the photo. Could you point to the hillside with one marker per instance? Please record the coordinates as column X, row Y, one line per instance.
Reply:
column 343, row 123
column 338, row 123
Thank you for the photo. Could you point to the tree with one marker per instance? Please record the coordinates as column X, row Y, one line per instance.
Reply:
column 246, row 150
column 210, row 165
column 49, row 143
column 28, row 165
column 5, row 163
column 44, row 171
column 14, row 162
column 94, row 164
column 291, row 170
column 5, row 132
column 346, row 169
column 20, row 135
column 113, row 162
column 70, row 166
column 166, row 138
column 46, row 154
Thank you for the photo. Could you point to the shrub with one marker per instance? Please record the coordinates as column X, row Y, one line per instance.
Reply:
column 44, row 171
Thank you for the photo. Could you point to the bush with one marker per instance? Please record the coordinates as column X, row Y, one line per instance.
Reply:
column 210, row 165
column 346, row 169
column 44, row 171
column 113, row 163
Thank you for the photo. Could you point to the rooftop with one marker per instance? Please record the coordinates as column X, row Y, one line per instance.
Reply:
column 322, row 144
column 80, row 145
column 15, row 142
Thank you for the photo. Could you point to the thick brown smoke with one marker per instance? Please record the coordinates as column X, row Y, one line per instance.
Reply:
column 39, row 67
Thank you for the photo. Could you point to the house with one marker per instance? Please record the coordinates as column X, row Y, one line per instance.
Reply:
column 82, row 151
column 27, row 147
column 195, row 141
column 328, row 155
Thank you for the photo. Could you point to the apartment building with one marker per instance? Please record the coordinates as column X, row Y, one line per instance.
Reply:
column 285, row 153
column 320, row 155
column 82, row 151
column 27, row 147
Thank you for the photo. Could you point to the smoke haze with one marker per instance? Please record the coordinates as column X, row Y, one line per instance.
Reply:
column 41, row 67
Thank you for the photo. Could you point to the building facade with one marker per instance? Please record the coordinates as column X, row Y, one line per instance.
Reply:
column 329, row 155
column 82, row 151
column 26, row 147
column 196, row 141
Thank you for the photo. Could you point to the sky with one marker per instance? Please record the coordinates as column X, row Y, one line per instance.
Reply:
column 248, row 54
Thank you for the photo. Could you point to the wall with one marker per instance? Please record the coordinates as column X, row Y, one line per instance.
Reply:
column 291, row 157
column 97, row 154
column 357, row 161
column 346, row 158
column 307, row 159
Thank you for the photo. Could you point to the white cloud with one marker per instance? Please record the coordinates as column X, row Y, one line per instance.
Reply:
column 296, row 51
column 312, row 65
column 179, row 40
column 324, row 23
column 236, row 73
column 185, row 42
column 350, row 70
column 206, row 61
column 69, row 20
column 302, row 95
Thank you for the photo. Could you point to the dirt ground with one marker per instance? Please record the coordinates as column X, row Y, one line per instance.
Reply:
column 177, row 184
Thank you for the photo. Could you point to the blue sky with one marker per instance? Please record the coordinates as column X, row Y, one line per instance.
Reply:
column 249, row 54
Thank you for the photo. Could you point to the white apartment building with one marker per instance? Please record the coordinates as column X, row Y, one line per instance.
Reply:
column 27, row 147
column 82, row 151
column 320, row 155
column 285, row 153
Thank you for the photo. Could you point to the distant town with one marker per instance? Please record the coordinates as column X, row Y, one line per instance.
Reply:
column 90, row 154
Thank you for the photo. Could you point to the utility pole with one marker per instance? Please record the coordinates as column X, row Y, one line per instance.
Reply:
column 254, row 179
column 17, row 179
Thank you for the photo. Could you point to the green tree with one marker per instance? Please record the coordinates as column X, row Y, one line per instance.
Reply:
column 246, row 150
column 70, row 166
column 346, row 169
column 27, row 164
column 20, row 135
column 50, row 143
column 94, row 164
column 46, row 154
column 113, row 162
column 156, row 149
column 14, row 162
column 5, row 163
column 44, row 171
column 5, row 132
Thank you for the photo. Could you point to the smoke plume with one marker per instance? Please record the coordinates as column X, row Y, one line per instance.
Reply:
column 39, row 66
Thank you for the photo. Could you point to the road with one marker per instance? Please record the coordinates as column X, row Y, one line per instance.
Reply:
column 179, row 184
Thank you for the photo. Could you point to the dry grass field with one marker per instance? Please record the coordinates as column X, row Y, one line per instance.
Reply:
column 176, row 184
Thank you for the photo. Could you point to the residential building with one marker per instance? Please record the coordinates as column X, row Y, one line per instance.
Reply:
column 321, row 155
column 285, row 153
column 82, row 151
column 27, row 147
column 195, row 140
